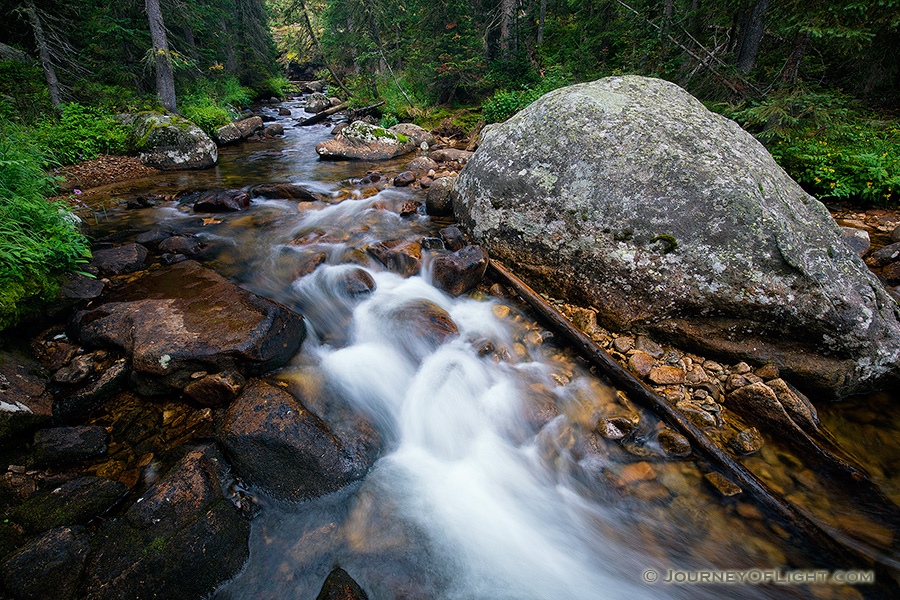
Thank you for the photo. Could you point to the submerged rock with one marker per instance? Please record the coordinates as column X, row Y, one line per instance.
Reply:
column 222, row 201
column 460, row 271
column 186, row 319
column 629, row 194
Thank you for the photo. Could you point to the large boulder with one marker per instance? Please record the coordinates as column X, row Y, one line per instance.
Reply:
column 181, row 539
column 275, row 442
column 628, row 194
column 363, row 141
column 186, row 319
column 171, row 143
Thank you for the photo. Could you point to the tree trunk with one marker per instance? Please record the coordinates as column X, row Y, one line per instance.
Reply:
column 668, row 15
column 231, row 62
column 541, row 19
column 165, row 78
column 752, row 36
column 44, row 54
column 507, row 14
column 792, row 66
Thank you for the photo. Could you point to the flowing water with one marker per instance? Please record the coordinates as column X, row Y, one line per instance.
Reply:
column 490, row 485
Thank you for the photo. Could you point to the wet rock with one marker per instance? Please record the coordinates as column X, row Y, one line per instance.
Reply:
column 768, row 371
column 308, row 263
column 747, row 441
column 77, row 371
column 355, row 282
column 404, row 179
column 289, row 191
column 218, row 389
column 857, row 239
column 741, row 368
column 460, row 271
column 316, row 103
column 249, row 126
column 181, row 244
column 273, row 441
column 61, row 445
column 75, row 502
column 694, row 411
column 895, row 234
column 274, row 129
column 415, row 134
column 340, row 586
column 339, row 128
column 284, row 111
column 623, row 344
column 48, row 567
column 453, row 238
column 25, row 400
column 151, row 239
column 215, row 201
column 450, row 154
column 168, row 142
column 884, row 256
column 421, row 164
column 437, row 200
column 362, row 141
column 75, row 289
column 798, row 406
column 121, row 260
column 635, row 472
column 735, row 381
column 641, row 363
column 722, row 484
column 664, row 230
column 410, row 209
column 759, row 403
column 673, row 444
column 180, row 540
column 891, row 273
column 666, row 375
column 398, row 256
column 187, row 318
column 615, row 428
column 645, row 344
column 422, row 326
column 68, row 407
column 696, row 375
column 227, row 134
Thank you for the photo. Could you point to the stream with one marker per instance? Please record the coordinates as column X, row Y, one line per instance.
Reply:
column 488, row 487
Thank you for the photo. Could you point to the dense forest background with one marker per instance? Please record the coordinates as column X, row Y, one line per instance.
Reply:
column 817, row 82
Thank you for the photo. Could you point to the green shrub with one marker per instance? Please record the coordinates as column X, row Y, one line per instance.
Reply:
column 388, row 121
column 505, row 103
column 38, row 239
column 205, row 112
column 81, row 133
column 829, row 144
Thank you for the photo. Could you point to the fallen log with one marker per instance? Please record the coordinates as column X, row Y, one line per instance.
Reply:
column 325, row 113
column 841, row 554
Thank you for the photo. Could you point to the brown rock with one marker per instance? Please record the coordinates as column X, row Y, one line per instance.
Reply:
column 891, row 273
column 121, row 260
column 187, row 318
column 274, row 442
column 758, row 402
column 437, row 200
column 641, row 363
column 767, row 371
column 398, row 256
column 623, row 344
column 421, row 163
column 666, row 375
column 692, row 410
column 747, row 441
column 673, row 444
column 249, row 126
column 48, row 567
column 422, row 326
column 645, row 344
column 722, row 484
column 798, row 406
column 213, row 201
column 735, row 381
column 453, row 238
column 405, row 178
column 340, row 586
column 355, row 282
column 308, row 263
column 615, row 428
column 289, row 191
column 180, row 244
column 218, row 389
column 450, row 154
column 641, row 471
column 461, row 271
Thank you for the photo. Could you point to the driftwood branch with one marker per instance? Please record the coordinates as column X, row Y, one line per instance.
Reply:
column 325, row 113
column 637, row 391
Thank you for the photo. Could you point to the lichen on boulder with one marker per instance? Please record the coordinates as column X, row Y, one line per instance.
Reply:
column 363, row 141
column 628, row 194
column 169, row 142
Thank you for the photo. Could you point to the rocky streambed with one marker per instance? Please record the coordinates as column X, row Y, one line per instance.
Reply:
column 180, row 430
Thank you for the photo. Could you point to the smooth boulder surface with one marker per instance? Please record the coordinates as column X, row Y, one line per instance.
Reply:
column 169, row 143
column 363, row 141
column 180, row 540
column 628, row 194
column 186, row 319
column 273, row 441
